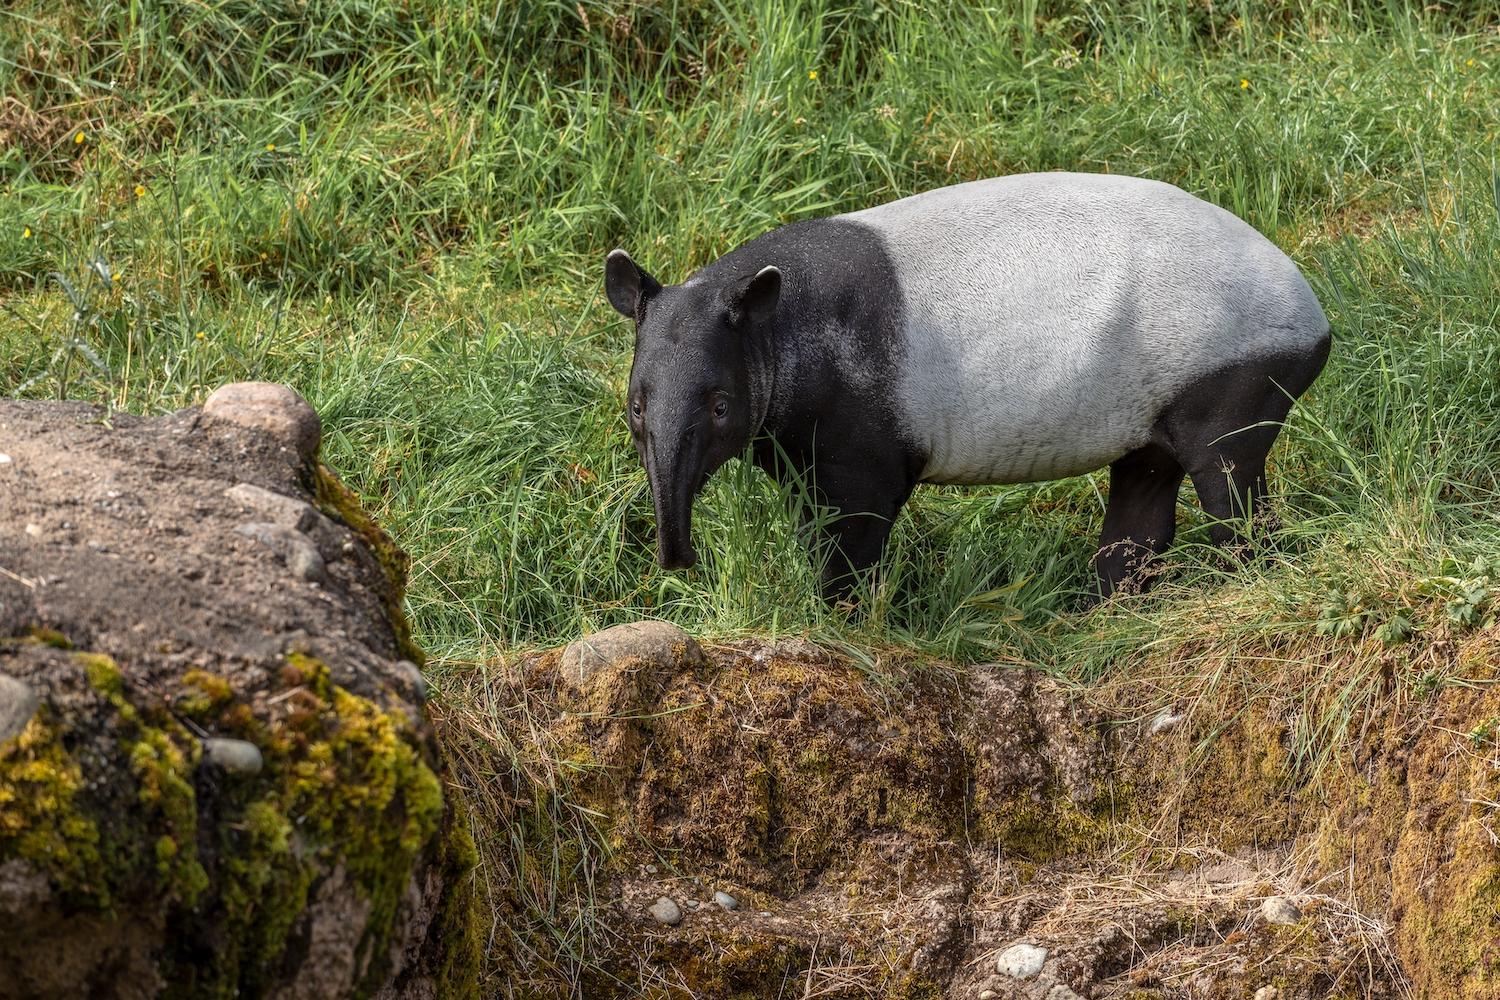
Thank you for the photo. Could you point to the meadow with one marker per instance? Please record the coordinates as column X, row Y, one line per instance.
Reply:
column 402, row 210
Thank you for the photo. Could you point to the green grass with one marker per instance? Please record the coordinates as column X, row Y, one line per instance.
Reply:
column 402, row 210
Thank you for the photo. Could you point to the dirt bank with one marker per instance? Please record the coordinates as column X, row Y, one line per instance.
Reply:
column 898, row 834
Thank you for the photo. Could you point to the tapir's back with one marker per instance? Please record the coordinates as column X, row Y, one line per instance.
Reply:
column 1049, row 318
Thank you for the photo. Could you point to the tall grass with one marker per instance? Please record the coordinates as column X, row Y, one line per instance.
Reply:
column 402, row 210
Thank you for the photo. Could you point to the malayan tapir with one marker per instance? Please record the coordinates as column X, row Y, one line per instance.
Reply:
column 1008, row 330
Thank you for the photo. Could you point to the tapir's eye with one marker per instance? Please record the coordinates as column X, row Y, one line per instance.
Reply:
column 721, row 409
column 635, row 408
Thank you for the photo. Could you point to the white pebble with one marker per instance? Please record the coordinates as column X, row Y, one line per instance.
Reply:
column 239, row 756
column 1020, row 961
column 726, row 901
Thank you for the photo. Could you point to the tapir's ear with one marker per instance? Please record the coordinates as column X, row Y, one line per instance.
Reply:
column 757, row 299
column 626, row 284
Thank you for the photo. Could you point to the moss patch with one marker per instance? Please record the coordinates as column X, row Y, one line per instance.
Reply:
column 338, row 501
column 41, row 819
column 344, row 781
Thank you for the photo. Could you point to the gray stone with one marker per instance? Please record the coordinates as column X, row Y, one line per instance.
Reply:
column 726, row 901
column 272, row 408
column 18, row 703
column 651, row 641
column 413, row 684
column 295, row 549
column 1062, row 992
column 21, row 886
column 1021, row 961
column 236, row 756
column 650, row 869
column 1280, row 910
column 1268, row 993
column 664, row 911
column 284, row 510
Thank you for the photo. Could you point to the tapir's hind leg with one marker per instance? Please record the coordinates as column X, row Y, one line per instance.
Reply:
column 1141, row 517
column 1222, row 429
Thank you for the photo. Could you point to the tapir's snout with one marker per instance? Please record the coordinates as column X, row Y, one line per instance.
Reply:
column 674, row 468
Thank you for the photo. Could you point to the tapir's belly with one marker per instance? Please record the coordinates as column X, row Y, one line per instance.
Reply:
column 1049, row 319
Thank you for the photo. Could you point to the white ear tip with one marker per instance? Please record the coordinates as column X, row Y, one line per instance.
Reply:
column 617, row 252
column 769, row 269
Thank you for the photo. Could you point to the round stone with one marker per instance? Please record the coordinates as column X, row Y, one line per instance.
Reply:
column 657, row 642
column 1021, row 961
column 1280, row 910
column 664, row 911
column 726, row 901
column 272, row 408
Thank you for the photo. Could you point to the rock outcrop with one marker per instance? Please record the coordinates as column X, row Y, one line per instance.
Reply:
column 216, row 775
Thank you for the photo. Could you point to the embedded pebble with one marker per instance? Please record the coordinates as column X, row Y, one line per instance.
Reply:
column 650, row 869
column 413, row 683
column 236, row 756
column 726, row 901
column 664, row 911
column 1020, row 961
column 1267, row 993
column 1164, row 722
column 1062, row 992
column 1280, row 910
column 765, row 913
column 693, row 903
column 33, row 530
column 295, row 549
column 18, row 703
column 988, row 995
column 4, row 458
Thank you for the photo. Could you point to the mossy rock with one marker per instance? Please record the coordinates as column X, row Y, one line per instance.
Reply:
column 132, row 864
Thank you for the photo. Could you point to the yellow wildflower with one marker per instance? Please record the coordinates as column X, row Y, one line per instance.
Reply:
column 813, row 75
column 78, row 138
column 115, row 276
column 140, row 190
column 26, row 233
column 271, row 146
column 201, row 335
column 1244, row 84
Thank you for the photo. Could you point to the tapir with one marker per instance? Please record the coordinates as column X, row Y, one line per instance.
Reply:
column 1008, row 330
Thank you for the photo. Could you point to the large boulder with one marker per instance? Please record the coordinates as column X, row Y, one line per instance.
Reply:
column 216, row 775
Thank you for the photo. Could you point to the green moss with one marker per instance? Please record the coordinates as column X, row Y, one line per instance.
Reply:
column 457, row 923
column 40, row 818
column 343, row 782
column 162, row 758
column 339, row 501
column 49, row 637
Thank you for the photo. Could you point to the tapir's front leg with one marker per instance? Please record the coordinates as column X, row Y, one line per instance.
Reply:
column 866, row 496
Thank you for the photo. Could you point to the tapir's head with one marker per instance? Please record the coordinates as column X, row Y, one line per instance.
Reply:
column 699, row 386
